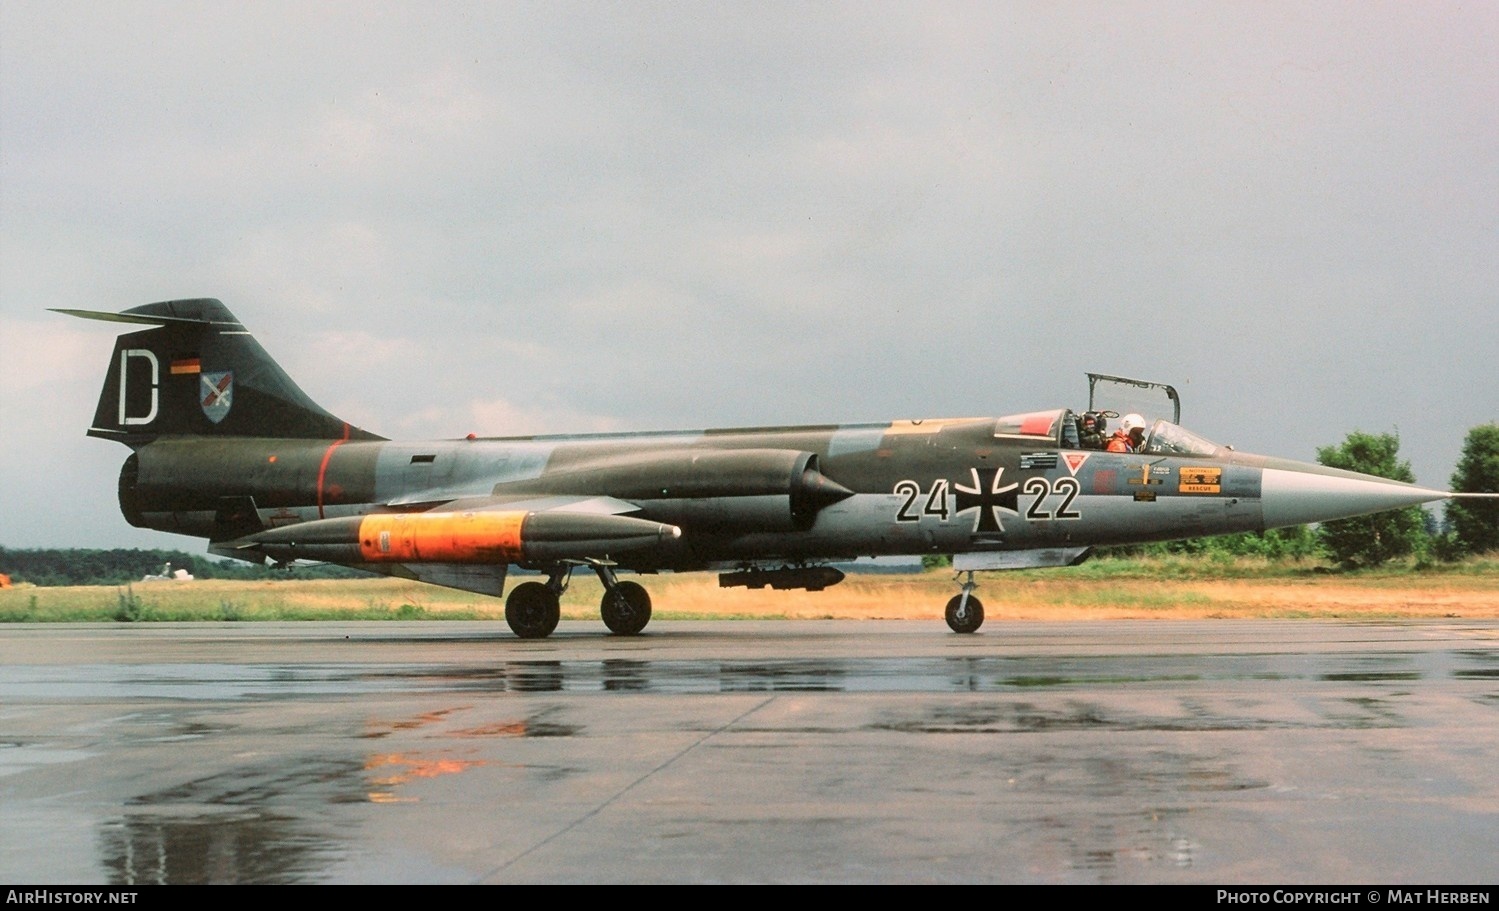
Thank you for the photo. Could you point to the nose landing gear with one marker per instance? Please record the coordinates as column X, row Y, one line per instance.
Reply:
column 965, row 613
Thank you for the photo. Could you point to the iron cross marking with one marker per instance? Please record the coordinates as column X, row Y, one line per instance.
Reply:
column 988, row 497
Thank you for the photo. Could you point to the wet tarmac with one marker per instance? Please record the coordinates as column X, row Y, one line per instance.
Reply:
column 751, row 751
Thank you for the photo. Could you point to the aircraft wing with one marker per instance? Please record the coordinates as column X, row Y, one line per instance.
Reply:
column 598, row 506
column 479, row 579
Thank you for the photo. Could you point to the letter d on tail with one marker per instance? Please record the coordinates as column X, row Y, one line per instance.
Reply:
column 140, row 386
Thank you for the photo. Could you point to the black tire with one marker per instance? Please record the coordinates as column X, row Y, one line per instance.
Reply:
column 626, row 608
column 972, row 618
column 532, row 610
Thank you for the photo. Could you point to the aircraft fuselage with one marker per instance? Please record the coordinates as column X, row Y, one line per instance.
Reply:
column 913, row 487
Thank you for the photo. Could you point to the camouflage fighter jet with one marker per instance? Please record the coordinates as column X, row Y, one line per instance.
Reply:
column 226, row 447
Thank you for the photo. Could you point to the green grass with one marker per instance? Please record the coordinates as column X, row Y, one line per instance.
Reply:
column 1222, row 566
column 248, row 602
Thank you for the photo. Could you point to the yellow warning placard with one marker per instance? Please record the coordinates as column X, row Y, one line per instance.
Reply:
column 1201, row 480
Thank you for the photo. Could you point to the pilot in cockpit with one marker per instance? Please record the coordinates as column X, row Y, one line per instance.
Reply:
column 1130, row 436
column 1092, row 426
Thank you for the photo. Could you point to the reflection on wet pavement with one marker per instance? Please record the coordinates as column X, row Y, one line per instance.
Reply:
column 849, row 675
column 247, row 847
column 856, row 766
column 225, row 828
column 391, row 770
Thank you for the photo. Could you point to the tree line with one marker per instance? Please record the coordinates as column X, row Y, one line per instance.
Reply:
column 74, row 566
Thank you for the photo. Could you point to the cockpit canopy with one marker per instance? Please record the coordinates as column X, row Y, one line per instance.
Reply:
column 1068, row 430
column 1043, row 424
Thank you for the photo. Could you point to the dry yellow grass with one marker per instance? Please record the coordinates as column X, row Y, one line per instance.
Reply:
column 1057, row 595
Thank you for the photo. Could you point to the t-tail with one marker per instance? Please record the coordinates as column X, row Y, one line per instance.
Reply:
column 197, row 372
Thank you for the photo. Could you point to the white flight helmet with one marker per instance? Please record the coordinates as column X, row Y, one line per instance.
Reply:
column 1132, row 421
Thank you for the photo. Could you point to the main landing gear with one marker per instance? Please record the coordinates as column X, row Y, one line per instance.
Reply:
column 626, row 607
column 965, row 613
column 534, row 608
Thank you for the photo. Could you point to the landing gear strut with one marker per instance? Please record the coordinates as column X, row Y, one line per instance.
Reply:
column 534, row 608
column 965, row 613
column 626, row 606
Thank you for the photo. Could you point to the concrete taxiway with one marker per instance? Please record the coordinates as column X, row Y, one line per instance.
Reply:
column 751, row 751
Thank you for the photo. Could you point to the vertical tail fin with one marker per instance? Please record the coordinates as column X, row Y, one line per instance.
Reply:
column 197, row 372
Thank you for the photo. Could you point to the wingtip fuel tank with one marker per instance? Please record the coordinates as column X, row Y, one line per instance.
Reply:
column 494, row 537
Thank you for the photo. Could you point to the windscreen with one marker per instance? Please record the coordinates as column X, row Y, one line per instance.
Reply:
column 1168, row 439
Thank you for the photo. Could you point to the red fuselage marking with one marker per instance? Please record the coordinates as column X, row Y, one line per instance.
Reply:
column 322, row 470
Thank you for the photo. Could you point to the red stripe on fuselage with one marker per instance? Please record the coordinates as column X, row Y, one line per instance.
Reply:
column 322, row 470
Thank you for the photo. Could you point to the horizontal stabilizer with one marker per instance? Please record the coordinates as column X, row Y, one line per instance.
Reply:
column 145, row 319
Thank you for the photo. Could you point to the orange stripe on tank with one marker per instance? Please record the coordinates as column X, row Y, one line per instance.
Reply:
column 448, row 537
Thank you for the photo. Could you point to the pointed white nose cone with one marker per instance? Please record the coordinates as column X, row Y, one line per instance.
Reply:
column 1319, row 495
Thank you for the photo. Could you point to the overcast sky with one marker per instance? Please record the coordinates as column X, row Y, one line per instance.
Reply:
column 513, row 218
